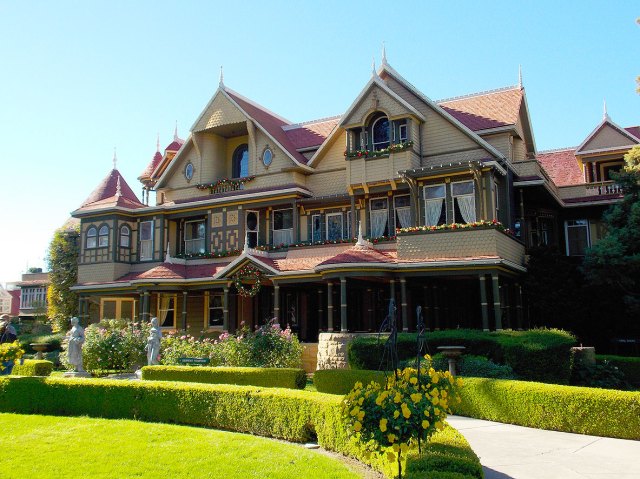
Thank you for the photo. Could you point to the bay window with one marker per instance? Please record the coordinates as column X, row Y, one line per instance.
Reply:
column 92, row 240
column 103, row 236
column 194, row 237
column 146, row 240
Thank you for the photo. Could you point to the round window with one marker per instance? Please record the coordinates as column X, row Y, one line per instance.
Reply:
column 267, row 157
column 188, row 171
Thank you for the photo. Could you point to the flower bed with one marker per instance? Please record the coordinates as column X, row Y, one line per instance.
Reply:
column 494, row 224
column 366, row 153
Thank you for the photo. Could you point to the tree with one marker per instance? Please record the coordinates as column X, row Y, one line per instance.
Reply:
column 615, row 259
column 63, row 273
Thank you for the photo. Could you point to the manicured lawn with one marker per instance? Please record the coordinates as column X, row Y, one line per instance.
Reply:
column 69, row 447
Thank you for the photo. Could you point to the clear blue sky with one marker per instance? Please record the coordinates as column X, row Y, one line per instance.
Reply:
column 80, row 77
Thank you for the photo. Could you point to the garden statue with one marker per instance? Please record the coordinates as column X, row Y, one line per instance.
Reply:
column 153, row 343
column 74, row 348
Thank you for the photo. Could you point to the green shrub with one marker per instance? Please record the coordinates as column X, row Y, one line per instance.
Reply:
column 538, row 354
column 267, row 377
column 281, row 413
column 53, row 340
column 581, row 410
column 603, row 374
column 341, row 381
column 630, row 366
column 32, row 367
column 475, row 367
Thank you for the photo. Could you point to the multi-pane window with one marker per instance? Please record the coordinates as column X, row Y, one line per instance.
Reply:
column 167, row 310
column 146, row 240
column 194, row 237
column 380, row 133
column 125, row 236
column 33, row 297
column 103, row 236
column 216, row 310
column 464, row 201
column 240, row 162
column 117, row 308
column 316, row 228
column 283, row 226
column 379, row 217
column 253, row 226
column 496, row 200
column 435, row 211
column 92, row 240
column 334, row 226
column 403, row 211
column 577, row 234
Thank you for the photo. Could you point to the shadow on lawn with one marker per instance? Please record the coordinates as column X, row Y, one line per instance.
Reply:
column 491, row 474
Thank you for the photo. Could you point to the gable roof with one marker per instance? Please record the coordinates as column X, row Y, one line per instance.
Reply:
column 562, row 166
column 311, row 133
column 607, row 122
column 113, row 190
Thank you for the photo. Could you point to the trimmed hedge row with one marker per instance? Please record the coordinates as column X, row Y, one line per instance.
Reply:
column 32, row 367
column 281, row 413
column 630, row 366
column 266, row 377
column 341, row 381
column 597, row 412
column 537, row 354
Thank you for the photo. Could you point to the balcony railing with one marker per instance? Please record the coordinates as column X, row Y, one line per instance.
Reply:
column 224, row 185
column 590, row 190
column 604, row 188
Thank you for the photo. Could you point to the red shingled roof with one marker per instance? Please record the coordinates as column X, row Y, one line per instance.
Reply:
column 175, row 144
column 482, row 111
column 634, row 130
column 360, row 254
column 312, row 133
column 151, row 167
column 176, row 271
column 562, row 166
column 270, row 122
column 105, row 194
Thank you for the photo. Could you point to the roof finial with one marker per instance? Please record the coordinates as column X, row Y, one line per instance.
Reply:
column 118, row 188
column 115, row 159
column 520, row 76
column 158, row 143
column 384, row 54
column 605, row 115
column 175, row 132
column 221, row 83
column 373, row 67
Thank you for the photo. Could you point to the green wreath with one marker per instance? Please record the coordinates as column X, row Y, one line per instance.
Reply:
column 248, row 272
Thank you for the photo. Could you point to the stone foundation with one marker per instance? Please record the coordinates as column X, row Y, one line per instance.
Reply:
column 332, row 349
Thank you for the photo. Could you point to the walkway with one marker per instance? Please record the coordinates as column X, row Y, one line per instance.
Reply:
column 508, row 451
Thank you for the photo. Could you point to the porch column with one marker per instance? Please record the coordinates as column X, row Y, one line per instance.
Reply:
column 276, row 301
column 519, row 305
column 436, row 308
column 497, row 305
column 392, row 289
column 320, row 308
column 296, row 222
column 184, row 310
column 483, row 303
column 403, row 304
column 354, row 223
column 343, row 305
column 81, row 310
column 225, row 308
column 140, row 307
column 329, row 306
column 427, row 306
column 145, row 307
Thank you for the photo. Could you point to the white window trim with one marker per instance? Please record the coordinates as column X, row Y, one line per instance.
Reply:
column 373, row 137
column 128, row 236
column 453, row 197
column 326, row 225
column 246, row 227
column 142, row 258
column 273, row 222
column 193, row 240
column 401, row 127
column 93, row 236
column 566, row 234
column 100, row 236
column 496, row 200
column 444, row 201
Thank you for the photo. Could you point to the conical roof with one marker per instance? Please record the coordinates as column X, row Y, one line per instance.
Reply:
column 113, row 190
column 151, row 167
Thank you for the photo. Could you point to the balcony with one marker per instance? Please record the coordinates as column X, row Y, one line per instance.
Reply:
column 603, row 190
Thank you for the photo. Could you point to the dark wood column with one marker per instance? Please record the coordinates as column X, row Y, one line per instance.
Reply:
column 497, row 304
column 184, row 310
column 483, row 303
column 329, row 306
column 343, row 305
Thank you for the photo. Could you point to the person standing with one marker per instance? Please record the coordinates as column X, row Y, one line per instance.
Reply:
column 7, row 331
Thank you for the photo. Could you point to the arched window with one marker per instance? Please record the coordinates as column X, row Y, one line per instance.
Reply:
column 240, row 165
column 91, row 237
column 125, row 236
column 380, row 133
column 103, row 236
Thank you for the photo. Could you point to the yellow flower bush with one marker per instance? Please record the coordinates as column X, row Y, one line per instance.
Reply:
column 411, row 407
column 10, row 351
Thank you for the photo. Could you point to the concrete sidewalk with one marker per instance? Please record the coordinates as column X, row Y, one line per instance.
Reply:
column 508, row 451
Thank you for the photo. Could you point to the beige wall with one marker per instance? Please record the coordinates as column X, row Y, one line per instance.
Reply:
column 607, row 137
column 375, row 100
column 101, row 273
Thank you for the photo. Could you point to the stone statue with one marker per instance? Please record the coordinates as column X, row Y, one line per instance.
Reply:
column 153, row 343
column 74, row 348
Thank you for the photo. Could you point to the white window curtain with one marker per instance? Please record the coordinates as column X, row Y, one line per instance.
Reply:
column 378, row 222
column 404, row 216
column 282, row 236
column 433, row 211
column 467, row 205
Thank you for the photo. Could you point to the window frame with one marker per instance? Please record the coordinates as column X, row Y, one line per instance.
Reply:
column 104, row 236
column 118, row 301
column 326, row 225
column 371, row 200
column 202, row 221
column 93, row 236
column 151, row 240
column 175, row 306
column 444, row 203
column 313, row 228
column 236, row 161
column 402, row 126
column 127, row 236
column 246, row 226
column 373, row 136
column 273, row 223
column 586, row 226
column 473, row 194
column 207, row 308
column 395, row 208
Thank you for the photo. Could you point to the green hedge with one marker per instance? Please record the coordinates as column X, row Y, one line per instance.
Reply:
column 538, row 354
column 32, row 367
column 597, row 412
column 630, row 366
column 341, row 381
column 267, row 377
column 288, row 414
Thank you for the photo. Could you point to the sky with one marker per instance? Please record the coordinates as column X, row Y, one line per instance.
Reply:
column 78, row 78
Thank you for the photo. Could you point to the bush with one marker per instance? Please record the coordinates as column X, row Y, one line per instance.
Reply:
column 475, row 367
column 581, row 410
column 538, row 354
column 341, row 381
column 53, row 340
column 32, row 367
column 287, row 414
column 603, row 374
column 630, row 366
column 267, row 377
column 113, row 345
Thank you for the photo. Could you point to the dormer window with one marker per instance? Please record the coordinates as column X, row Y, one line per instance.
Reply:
column 103, row 237
column 380, row 133
column 92, row 242
column 240, row 162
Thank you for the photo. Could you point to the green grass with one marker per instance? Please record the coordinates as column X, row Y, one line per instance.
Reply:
column 73, row 447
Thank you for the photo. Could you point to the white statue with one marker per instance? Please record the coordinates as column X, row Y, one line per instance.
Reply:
column 74, row 348
column 153, row 343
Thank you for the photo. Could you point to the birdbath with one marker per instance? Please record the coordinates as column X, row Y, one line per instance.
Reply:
column 452, row 353
column 39, row 348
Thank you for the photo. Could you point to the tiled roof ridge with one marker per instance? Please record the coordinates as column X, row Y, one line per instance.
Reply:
column 556, row 150
column 480, row 93
column 256, row 105
column 293, row 126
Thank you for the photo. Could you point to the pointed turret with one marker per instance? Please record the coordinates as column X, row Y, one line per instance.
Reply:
column 384, row 54
column 605, row 115
column 146, row 175
column 177, row 142
column 112, row 191
column 520, row 76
